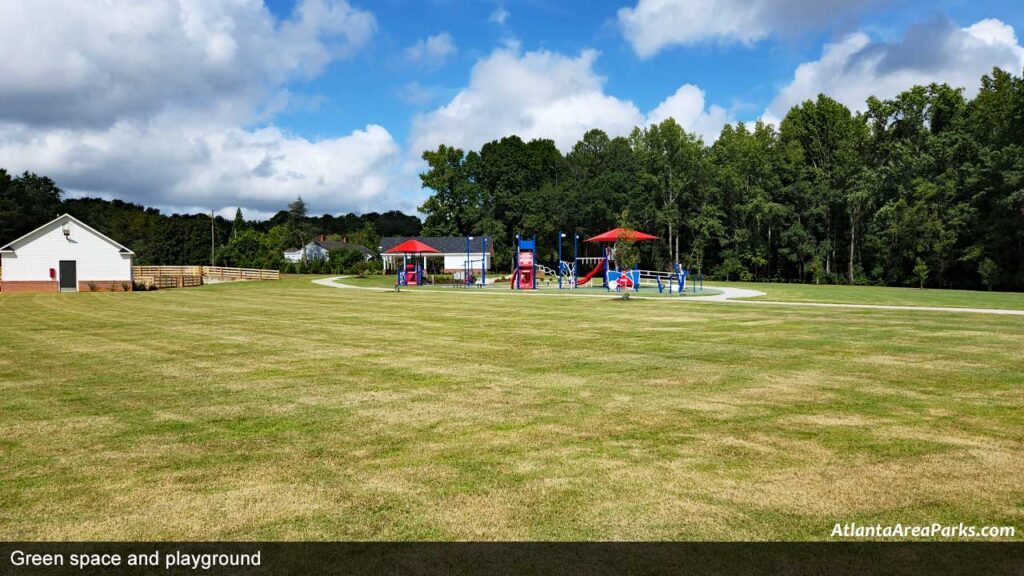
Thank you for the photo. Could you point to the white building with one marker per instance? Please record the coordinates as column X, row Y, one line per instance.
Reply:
column 455, row 250
column 319, row 248
column 65, row 254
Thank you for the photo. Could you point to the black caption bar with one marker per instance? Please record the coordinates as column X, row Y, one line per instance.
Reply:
column 470, row 559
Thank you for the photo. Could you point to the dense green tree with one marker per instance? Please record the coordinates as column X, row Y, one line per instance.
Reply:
column 456, row 203
column 238, row 224
column 832, row 142
column 297, row 224
column 26, row 202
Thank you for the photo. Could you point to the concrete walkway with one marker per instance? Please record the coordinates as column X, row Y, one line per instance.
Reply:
column 728, row 295
column 331, row 282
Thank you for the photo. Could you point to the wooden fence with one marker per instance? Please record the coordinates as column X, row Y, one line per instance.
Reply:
column 189, row 276
column 240, row 273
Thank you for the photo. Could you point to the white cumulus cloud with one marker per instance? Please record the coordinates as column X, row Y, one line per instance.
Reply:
column 432, row 50
column 152, row 102
column 544, row 94
column 687, row 107
column 854, row 68
column 538, row 94
column 100, row 62
column 174, row 161
column 499, row 16
column 652, row 25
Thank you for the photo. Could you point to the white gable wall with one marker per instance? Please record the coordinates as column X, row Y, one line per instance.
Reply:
column 97, row 259
column 452, row 262
column 458, row 263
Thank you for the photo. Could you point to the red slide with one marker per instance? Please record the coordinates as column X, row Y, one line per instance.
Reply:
column 512, row 283
column 587, row 278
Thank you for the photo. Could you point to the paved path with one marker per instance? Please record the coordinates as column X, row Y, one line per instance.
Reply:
column 728, row 295
column 331, row 282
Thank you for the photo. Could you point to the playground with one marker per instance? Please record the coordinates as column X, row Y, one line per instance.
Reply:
column 595, row 274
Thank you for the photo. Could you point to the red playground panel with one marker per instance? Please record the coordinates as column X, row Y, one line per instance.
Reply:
column 526, row 270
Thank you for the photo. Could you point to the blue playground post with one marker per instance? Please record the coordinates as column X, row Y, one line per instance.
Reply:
column 468, row 266
column 516, row 273
column 607, row 257
column 483, row 267
column 575, row 259
column 560, row 236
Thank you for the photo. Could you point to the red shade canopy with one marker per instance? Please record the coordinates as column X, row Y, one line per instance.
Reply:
column 613, row 236
column 412, row 246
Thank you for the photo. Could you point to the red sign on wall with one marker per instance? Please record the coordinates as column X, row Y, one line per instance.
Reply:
column 525, row 259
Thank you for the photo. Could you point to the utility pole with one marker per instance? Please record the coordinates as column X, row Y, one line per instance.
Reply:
column 212, row 249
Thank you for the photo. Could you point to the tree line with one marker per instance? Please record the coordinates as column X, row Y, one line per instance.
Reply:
column 28, row 201
column 923, row 189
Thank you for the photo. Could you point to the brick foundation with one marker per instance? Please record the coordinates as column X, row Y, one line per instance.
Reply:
column 104, row 285
column 13, row 286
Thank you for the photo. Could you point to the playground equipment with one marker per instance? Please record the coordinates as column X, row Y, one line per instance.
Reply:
column 411, row 272
column 467, row 268
column 613, row 277
column 600, row 266
column 568, row 272
column 676, row 280
column 524, row 277
column 412, row 275
column 618, row 280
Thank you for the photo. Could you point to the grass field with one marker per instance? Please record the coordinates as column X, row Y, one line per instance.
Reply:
column 286, row 410
column 835, row 294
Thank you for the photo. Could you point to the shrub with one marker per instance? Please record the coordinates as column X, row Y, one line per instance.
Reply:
column 93, row 287
column 364, row 268
column 126, row 286
column 921, row 272
column 989, row 272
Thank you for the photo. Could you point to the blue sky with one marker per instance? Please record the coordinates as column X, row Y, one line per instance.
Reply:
column 191, row 106
column 736, row 76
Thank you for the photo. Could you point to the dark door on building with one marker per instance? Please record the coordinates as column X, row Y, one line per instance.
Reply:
column 68, row 276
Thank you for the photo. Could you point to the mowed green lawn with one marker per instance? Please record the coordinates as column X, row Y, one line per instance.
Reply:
column 827, row 293
column 286, row 410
